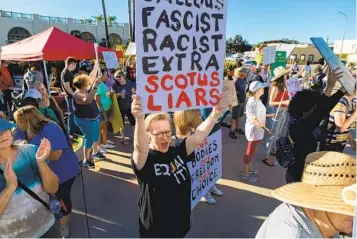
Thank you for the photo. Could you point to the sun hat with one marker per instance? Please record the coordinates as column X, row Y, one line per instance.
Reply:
column 256, row 85
column 325, row 176
column 32, row 93
column 278, row 72
column 5, row 125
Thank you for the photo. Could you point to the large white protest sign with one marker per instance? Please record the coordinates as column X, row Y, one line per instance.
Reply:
column 131, row 50
column 269, row 53
column 207, row 167
column 293, row 86
column 180, row 53
column 111, row 59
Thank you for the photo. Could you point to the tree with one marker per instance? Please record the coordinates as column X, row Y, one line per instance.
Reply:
column 283, row 40
column 77, row 34
column 98, row 18
column 88, row 21
column 111, row 20
column 237, row 45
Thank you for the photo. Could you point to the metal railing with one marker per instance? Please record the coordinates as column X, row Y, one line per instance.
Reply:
column 53, row 19
column 16, row 15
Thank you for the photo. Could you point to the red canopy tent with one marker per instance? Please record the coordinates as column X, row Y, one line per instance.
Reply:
column 51, row 45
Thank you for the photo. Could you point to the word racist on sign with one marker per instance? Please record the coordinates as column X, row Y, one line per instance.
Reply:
column 180, row 53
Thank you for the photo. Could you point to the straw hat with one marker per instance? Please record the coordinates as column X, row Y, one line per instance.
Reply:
column 278, row 72
column 325, row 176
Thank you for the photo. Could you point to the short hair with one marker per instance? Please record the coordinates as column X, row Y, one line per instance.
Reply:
column 70, row 60
column 187, row 121
column 156, row 117
column 81, row 81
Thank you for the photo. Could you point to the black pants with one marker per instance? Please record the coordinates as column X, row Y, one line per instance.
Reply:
column 64, row 196
column 6, row 106
column 129, row 115
column 332, row 147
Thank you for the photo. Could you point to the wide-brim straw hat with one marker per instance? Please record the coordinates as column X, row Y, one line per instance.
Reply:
column 278, row 72
column 325, row 176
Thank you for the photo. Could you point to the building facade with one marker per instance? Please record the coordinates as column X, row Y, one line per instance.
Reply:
column 348, row 51
column 18, row 26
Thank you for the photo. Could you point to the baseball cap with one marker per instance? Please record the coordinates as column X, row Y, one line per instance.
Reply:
column 5, row 125
column 256, row 85
column 32, row 93
column 242, row 69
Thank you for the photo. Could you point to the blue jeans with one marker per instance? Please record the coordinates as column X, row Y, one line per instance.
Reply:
column 278, row 129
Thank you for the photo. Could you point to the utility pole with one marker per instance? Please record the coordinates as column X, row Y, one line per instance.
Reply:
column 344, row 32
column 106, row 24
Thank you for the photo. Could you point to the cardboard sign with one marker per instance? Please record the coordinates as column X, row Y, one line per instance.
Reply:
column 207, row 167
column 269, row 53
column 131, row 50
column 347, row 80
column 111, row 59
column 293, row 86
column 180, row 53
column 230, row 93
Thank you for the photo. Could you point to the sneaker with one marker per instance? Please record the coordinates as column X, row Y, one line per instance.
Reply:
column 233, row 135
column 88, row 164
column 208, row 199
column 254, row 171
column 107, row 146
column 110, row 142
column 214, row 190
column 102, row 150
column 239, row 131
column 225, row 125
column 248, row 178
column 64, row 230
column 98, row 155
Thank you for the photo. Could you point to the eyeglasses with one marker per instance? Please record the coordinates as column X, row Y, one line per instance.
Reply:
column 160, row 135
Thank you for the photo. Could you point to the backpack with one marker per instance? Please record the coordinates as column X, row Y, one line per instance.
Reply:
column 285, row 153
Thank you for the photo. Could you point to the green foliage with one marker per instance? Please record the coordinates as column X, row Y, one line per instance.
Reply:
column 237, row 45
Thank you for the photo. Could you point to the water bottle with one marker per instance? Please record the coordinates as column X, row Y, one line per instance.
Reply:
column 123, row 93
column 55, row 205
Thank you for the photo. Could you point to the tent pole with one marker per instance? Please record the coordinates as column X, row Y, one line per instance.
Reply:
column 46, row 75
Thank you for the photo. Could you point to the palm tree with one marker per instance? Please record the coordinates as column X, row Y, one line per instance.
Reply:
column 133, row 21
column 98, row 18
column 130, row 22
column 111, row 20
column 88, row 21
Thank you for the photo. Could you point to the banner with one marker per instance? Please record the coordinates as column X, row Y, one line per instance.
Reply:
column 207, row 167
column 180, row 53
column 269, row 53
column 111, row 59
column 230, row 93
column 280, row 60
column 293, row 86
column 117, row 119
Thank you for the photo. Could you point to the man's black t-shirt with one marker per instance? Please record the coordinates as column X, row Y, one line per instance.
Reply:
column 67, row 76
column 165, row 189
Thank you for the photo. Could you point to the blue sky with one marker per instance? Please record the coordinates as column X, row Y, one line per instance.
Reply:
column 255, row 20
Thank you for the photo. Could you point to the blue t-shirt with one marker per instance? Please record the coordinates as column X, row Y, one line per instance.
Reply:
column 25, row 216
column 66, row 167
column 240, row 88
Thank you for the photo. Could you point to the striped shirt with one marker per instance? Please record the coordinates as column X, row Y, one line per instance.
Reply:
column 337, row 137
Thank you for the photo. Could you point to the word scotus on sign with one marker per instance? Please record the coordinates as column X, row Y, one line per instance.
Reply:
column 180, row 53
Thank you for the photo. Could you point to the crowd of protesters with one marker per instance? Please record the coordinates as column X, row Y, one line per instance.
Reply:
column 36, row 151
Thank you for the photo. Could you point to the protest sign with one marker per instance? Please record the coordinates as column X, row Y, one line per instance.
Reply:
column 293, row 86
column 180, row 53
column 347, row 80
column 230, row 93
column 111, row 60
column 269, row 53
column 97, row 59
column 131, row 50
column 280, row 60
column 207, row 167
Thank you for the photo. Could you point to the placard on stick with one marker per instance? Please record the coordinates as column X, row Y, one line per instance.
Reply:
column 293, row 86
column 111, row 60
column 180, row 53
column 269, row 53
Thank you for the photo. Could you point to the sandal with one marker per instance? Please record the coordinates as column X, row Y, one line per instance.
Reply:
column 265, row 161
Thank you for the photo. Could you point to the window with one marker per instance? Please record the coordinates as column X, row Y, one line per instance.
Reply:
column 302, row 57
column 310, row 58
column 87, row 36
column 115, row 39
column 17, row 34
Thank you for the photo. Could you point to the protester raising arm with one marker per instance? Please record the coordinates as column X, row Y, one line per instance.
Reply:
column 204, row 129
column 48, row 177
column 86, row 99
column 11, row 185
column 141, row 141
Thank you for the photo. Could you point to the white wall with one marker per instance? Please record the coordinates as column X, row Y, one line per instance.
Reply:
column 36, row 25
column 349, row 47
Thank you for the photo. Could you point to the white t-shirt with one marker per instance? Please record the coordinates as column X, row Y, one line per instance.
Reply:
column 255, row 109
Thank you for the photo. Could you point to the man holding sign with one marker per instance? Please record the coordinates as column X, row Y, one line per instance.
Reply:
column 180, row 54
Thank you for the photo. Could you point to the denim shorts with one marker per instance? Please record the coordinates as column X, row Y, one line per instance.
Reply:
column 90, row 130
